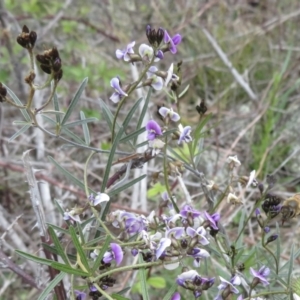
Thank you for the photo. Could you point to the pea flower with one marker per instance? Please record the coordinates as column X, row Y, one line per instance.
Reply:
column 166, row 112
column 125, row 53
column 153, row 129
column 184, row 134
column 72, row 216
column 199, row 234
column 147, row 52
column 228, row 287
column 116, row 253
column 260, row 276
column 119, row 93
column 100, row 197
column 156, row 146
column 80, row 295
column 233, row 161
column 197, row 254
column 175, row 296
column 157, row 81
column 173, row 42
column 212, row 219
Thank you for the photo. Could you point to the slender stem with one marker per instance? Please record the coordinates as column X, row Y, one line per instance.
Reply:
column 129, row 268
column 103, row 292
column 49, row 99
column 267, row 248
column 14, row 104
column 131, row 89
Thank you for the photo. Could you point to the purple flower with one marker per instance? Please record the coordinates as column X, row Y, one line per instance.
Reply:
column 157, row 81
column 153, row 129
column 175, row 296
column 197, row 254
column 165, row 242
column 116, row 254
column 189, row 276
column 100, row 197
column 257, row 212
column 71, row 216
column 187, row 211
column 212, row 219
column 226, row 288
column 260, row 276
column 134, row 251
column 199, row 233
column 166, row 112
column 80, row 295
column 267, row 229
column 119, row 93
column 173, row 42
column 147, row 52
column 185, row 135
column 124, row 54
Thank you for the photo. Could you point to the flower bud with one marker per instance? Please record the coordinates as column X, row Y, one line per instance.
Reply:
column 3, row 92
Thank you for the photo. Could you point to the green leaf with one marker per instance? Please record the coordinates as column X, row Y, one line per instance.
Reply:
column 58, row 245
column 119, row 297
column 127, row 185
column 85, row 128
column 69, row 175
column 80, row 122
column 184, row 91
column 144, row 110
column 74, row 101
column 54, row 264
column 130, row 113
column 69, row 270
column 18, row 102
column 157, row 282
column 143, row 280
column 108, row 116
column 132, row 135
column 51, row 285
column 156, row 189
column 291, row 265
column 34, row 258
column 99, row 258
column 171, row 291
column 56, row 107
column 110, row 159
column 79, row 248
column 20, row 131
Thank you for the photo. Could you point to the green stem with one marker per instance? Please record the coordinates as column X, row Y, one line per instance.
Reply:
column 49, row 99
column 129, row 268
column 103, row 292
column 267, row 248
column 131, row 89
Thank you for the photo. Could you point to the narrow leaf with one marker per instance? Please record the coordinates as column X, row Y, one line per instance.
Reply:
column 143, row 113
column 20, row 131
column 291, row 265
column 34, row 258
column 132, row 135
column 51, row 285
column 18, row 102
column 57, row 109
column 171, row 291
column 80, row 122
column 108, row 116
column 131, row 112
column 85, row 128
column 58, row 245
column 99, row 258
column 67, row 269
column 184, row 91
column 110, row 159
column 80, row 251
column 69, row 175
column 74, row 101
column 127, row 185
column 143, row 280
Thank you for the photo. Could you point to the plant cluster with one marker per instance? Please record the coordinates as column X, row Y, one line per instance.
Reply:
column 180, row 236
